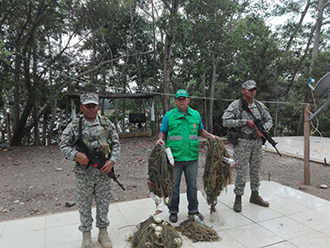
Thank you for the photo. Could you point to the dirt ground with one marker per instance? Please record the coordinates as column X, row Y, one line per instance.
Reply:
column 38, row 180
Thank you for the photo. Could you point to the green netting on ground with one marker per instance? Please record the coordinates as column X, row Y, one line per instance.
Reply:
column 197, row 232
column 155, row 233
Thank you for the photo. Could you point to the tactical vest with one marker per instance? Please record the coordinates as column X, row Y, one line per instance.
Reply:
column 103, row 142
column 233, row 133
column 182, row 134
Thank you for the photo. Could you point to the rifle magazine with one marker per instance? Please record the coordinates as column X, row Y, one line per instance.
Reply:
column 89, row 170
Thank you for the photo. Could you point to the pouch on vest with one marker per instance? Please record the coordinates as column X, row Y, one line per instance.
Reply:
column 232, row 136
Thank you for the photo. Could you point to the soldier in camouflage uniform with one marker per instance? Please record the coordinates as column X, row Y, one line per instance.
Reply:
column 97, row 132
column 248, row 142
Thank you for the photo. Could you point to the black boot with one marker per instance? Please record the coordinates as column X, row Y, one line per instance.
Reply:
column 173, row 217
column 238, row 204
column 256, row 199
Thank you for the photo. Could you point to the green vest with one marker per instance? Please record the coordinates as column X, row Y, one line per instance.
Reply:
column 182, row 134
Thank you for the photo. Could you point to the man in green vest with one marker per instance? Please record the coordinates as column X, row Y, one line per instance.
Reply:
column 179, row 131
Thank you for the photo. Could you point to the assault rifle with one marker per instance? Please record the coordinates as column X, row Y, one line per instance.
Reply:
column 95, row 160
column 260, row 125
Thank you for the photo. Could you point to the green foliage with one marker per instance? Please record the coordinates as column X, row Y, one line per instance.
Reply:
column 4, row 75
column 321, row 64
column 257, row 54
column 324, row 124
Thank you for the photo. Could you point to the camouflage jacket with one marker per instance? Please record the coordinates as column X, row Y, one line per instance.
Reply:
column 235, row 117
column 100, row 134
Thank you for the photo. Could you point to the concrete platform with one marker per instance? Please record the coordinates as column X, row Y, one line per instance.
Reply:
column 294, row 219
column 294, row 146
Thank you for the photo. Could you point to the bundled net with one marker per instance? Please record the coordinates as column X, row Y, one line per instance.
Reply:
column 160, row 174
column 217, row 174
column 197, row 232
column 155, row 233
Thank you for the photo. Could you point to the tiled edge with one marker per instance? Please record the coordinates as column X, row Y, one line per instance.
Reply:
column 2, row 227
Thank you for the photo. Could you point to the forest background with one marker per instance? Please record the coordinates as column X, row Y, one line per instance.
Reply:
column 49, row 48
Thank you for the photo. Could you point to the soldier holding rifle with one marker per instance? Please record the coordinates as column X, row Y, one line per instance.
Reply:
column 247, row 141
column 99, row 134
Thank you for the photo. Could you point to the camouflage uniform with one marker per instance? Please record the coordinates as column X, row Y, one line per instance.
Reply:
column 99, row 134
column 247, row 152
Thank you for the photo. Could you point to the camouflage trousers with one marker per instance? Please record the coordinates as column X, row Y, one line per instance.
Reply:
column 248, row 155
column 98, row 187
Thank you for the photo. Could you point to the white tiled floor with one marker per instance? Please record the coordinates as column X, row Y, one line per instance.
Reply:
column 294, row 146
column 294, row 219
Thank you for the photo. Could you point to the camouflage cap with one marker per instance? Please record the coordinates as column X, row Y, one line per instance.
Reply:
column 250, row 84
column 181, row 92
column 87, row 98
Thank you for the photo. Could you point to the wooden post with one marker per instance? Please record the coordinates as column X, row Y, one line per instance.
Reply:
column 307, row 180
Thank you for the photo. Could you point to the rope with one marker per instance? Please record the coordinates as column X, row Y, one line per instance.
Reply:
column 155, row 233
column 160, row 174
column 217, row 174
column 197, row 232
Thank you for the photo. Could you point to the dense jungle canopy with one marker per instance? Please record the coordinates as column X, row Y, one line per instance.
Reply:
column 51, row 47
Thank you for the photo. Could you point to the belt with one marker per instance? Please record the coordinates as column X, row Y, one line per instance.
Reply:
column 247, row 136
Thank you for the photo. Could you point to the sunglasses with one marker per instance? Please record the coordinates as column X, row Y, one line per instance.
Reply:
column 253, row 89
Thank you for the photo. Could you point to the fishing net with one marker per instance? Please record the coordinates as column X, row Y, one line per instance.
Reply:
column 217, row 174
column 155, row 233
column 160, row 174
column 197, row 232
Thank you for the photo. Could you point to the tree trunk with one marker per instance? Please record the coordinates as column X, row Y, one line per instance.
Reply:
column 167, row 54
column 136, row 57
column 154, row 45
column 124, row 115
column 204, row 102
column 44, row 129
column 52, row 122
column 116, row 116
column 8, row 126
column 211, row 93
column 16, row 94
column 317, row 34
column 166, row 88
column 19, row 132
column 315, row 50
column 36, row 125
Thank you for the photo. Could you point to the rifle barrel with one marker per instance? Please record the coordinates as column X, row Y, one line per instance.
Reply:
column 277, row 151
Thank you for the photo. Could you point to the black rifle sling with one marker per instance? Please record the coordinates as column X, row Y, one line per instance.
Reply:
column 257, row 104
column 80, row 127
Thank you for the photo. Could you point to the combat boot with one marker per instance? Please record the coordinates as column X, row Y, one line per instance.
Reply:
column 104, row 238
column 256, row 199
column 238, row 204
column 87, row 240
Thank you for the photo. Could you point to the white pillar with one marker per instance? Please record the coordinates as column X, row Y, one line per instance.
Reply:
column 73, row 109
column 153, row 116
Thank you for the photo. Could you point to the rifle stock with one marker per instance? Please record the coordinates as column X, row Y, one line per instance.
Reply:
column 95, row 160
column 260, row 126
